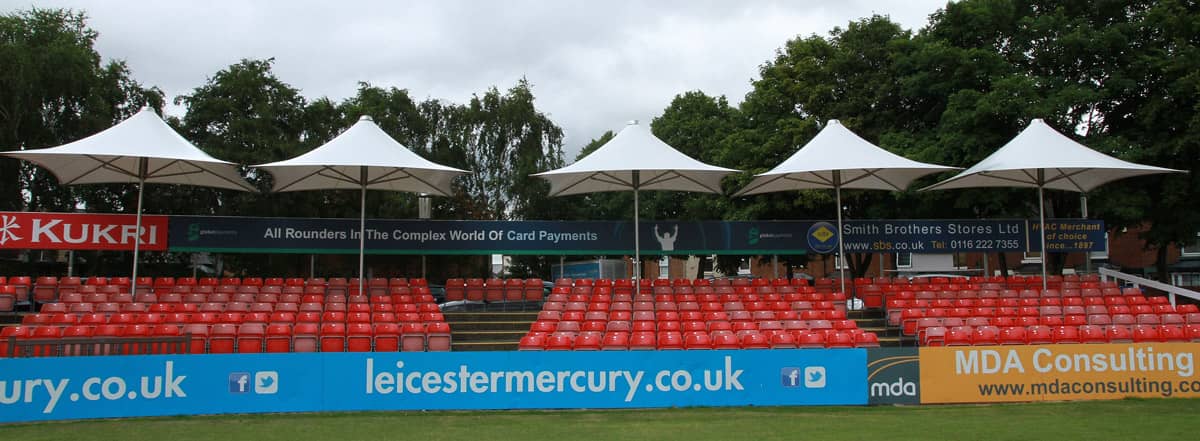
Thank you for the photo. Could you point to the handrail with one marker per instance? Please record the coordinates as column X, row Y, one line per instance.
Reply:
column 1171, row 290
column 84, row 346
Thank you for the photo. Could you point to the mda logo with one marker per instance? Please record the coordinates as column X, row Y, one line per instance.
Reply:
column 893, row 376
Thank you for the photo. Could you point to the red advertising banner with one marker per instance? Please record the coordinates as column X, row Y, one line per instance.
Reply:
column 69, row 231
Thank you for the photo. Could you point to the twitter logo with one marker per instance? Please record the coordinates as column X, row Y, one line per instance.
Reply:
column 266, row 382
column 814, row 377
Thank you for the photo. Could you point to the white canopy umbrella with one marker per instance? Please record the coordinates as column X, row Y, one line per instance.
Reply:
column 142, row 149
column 1042, row 157
column 838, row 158
column 365, row 158
column 635, row 160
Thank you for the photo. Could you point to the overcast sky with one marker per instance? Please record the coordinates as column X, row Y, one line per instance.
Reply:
column 594, row 65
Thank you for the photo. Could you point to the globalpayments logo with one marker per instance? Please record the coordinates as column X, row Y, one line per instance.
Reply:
column 264, row 382
column 193, row 232
column 752, row 236
column 812, row 377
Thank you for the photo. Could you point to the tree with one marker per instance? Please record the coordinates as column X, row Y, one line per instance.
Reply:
column 53, row 90
column 502, row 139
column 246, row 115
column 1118, row 76
column 852, row 77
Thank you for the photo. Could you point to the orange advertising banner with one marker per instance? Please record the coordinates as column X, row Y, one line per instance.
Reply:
column 980, row 374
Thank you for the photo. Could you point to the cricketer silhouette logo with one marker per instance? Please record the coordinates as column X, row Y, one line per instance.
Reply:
column 8, row 227
column 667, row 238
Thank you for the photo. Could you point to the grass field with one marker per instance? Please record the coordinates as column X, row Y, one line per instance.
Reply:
column 1097, row 420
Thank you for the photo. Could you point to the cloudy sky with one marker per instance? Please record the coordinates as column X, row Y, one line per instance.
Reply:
column 593, row 64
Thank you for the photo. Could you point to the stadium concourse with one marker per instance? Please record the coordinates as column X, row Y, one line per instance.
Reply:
column 50, row 316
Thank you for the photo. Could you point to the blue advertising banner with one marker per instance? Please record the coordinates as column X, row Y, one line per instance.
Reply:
column 129, row 386
column 297, row 235
column 1070, row 235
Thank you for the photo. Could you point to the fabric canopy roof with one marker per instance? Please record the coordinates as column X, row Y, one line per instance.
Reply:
column 339, row 165
column 611, row 168
column 858, row 163
column 116, row 155
column 1064, row 164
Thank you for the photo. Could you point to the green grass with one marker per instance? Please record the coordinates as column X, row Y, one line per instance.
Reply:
column 1095, row 420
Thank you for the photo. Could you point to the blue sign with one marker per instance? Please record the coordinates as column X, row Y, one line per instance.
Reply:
column 949, row 236
column 295, row 235
column 128, row 386
column 934, row 236
column 823, row 237
column 1069, row 235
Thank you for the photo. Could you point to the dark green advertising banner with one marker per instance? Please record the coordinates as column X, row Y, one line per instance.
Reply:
column 893, row 376
column 301, row 235
column 295, row 235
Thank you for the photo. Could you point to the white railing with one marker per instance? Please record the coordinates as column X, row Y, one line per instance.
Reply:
column 1171, row 290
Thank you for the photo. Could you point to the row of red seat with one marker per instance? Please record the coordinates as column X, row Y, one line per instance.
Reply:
column 47, row 288
column 226, row 338
column 876, row 298
column 180, row 318
column 1117, row 301
column 695, row 340
column 1031, row 280
column 511, row 290
column 100, row 298
column 158, row 282
column 1061, row 334
column 693, row 315
column 111, row 308
column 710, row 325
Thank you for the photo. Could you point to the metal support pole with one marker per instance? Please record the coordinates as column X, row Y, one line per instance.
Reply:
column 837, row 189
column 362, row 227
column 637, row 240
column 1041, row 178
column 137, row 235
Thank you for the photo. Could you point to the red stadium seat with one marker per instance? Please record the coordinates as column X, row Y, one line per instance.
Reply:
column 278, row 338
column 222, row 337
column 305, row 337
column 250, row 337
column 534, row 341
column 412, row 337
column 359, row 336
column 333, row 337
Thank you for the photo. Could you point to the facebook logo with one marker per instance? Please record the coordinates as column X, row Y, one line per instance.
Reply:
column 790, row 376
column 239, row 382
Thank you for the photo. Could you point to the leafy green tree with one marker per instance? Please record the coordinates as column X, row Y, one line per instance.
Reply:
column 502, row 139
column 245, row 114
column 55, row 89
